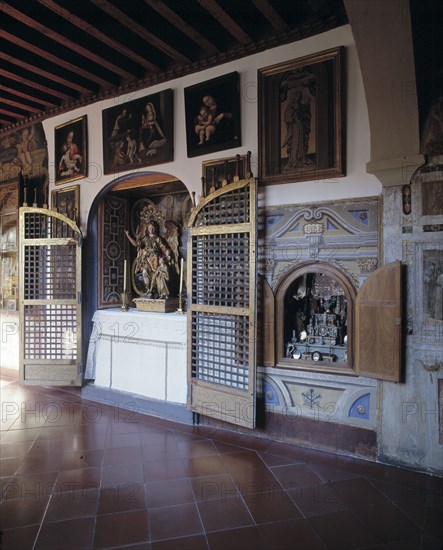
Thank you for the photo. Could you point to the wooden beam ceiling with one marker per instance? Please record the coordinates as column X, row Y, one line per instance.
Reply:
column 56, row 55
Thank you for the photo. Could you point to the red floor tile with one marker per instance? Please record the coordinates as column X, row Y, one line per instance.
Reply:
column 78, row 479
column 222, row 514
column 123, row 529
column 343, row 530
column 72, row 505
column 174, row 521
column 122, row 455
column 104, row 477
column 22, row 512
column 215, row 487
column 271, row 506
column 20, row 538
column 121, row 474
column 197, row 542
column 246, row 538
column 73, row 460
column 285, row 535
column 168, row 493
column 122, row 498
column 69, row 535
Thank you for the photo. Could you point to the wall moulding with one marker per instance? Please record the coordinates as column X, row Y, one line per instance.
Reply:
column 397, row 171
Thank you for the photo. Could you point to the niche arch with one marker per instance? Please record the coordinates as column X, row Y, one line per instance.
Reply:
column 139, row 185
column 314, row 319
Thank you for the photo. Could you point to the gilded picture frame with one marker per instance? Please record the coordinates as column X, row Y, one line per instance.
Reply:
column 301, row 118
column 67, row 202
column 71, row 150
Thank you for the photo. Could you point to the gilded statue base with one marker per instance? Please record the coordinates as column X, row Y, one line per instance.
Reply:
column 159, row 305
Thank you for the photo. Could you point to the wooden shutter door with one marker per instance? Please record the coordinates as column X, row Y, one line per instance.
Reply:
column 221, row 305
column 50, row 298
column 378, row 324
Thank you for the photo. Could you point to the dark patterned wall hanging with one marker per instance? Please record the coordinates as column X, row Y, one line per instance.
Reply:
column 113, row 222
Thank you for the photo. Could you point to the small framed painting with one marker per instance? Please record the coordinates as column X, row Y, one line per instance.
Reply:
column 71, row 150
column 213, row 115
column 67, row 201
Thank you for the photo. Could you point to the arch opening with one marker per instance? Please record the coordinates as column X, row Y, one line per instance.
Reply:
column 315, row 311
column 116, row 209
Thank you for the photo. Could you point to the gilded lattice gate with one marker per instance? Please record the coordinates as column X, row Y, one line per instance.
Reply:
column 50, row 298
column 221, row 309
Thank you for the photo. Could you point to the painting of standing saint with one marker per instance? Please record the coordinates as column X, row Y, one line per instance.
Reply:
column 138, row 133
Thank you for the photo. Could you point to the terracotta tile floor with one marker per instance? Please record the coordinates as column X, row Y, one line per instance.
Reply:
column 77, row 474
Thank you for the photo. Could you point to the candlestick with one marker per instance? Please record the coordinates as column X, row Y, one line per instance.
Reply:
column 181, row 276
column 124, row 275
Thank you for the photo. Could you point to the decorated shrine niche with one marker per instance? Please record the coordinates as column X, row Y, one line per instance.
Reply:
column 315, row 319
column 315, row 306
column 143, row 235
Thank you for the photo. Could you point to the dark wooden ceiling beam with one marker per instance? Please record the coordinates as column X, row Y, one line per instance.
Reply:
column 45, row 74
column 99, row 35
column 19, row 105
column 271, row 15
column 35, row 85
column 60, row 39
column 136, row 28
column 165, row 11
column 225, row 20
column 5, row 122
column 12, row 114
column 19, row 93
column 54, row 59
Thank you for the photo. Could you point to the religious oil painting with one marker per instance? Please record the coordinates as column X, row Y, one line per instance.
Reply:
column 138, row 133
column 213, row 115
column 71, row 150
column 66, row 201
column 301, row 119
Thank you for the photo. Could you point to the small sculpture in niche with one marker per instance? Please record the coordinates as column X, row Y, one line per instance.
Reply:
column 156, row 263
column 316, row 319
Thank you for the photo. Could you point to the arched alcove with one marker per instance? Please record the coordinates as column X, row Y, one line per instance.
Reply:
column 134, row 189
column 314, row 304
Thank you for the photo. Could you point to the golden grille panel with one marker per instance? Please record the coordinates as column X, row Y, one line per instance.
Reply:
column 230, row 208
column 42, row 226
column 49, row 272
column 220, row 349
column 50, row 332
column 220, row 267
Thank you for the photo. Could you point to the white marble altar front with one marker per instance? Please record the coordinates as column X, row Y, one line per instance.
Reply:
column 139, row 353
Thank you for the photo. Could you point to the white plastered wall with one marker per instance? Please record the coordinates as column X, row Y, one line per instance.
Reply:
column 357, row 182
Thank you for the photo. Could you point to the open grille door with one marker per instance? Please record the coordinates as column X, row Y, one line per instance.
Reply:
column 221, row 306
column 50, row 298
